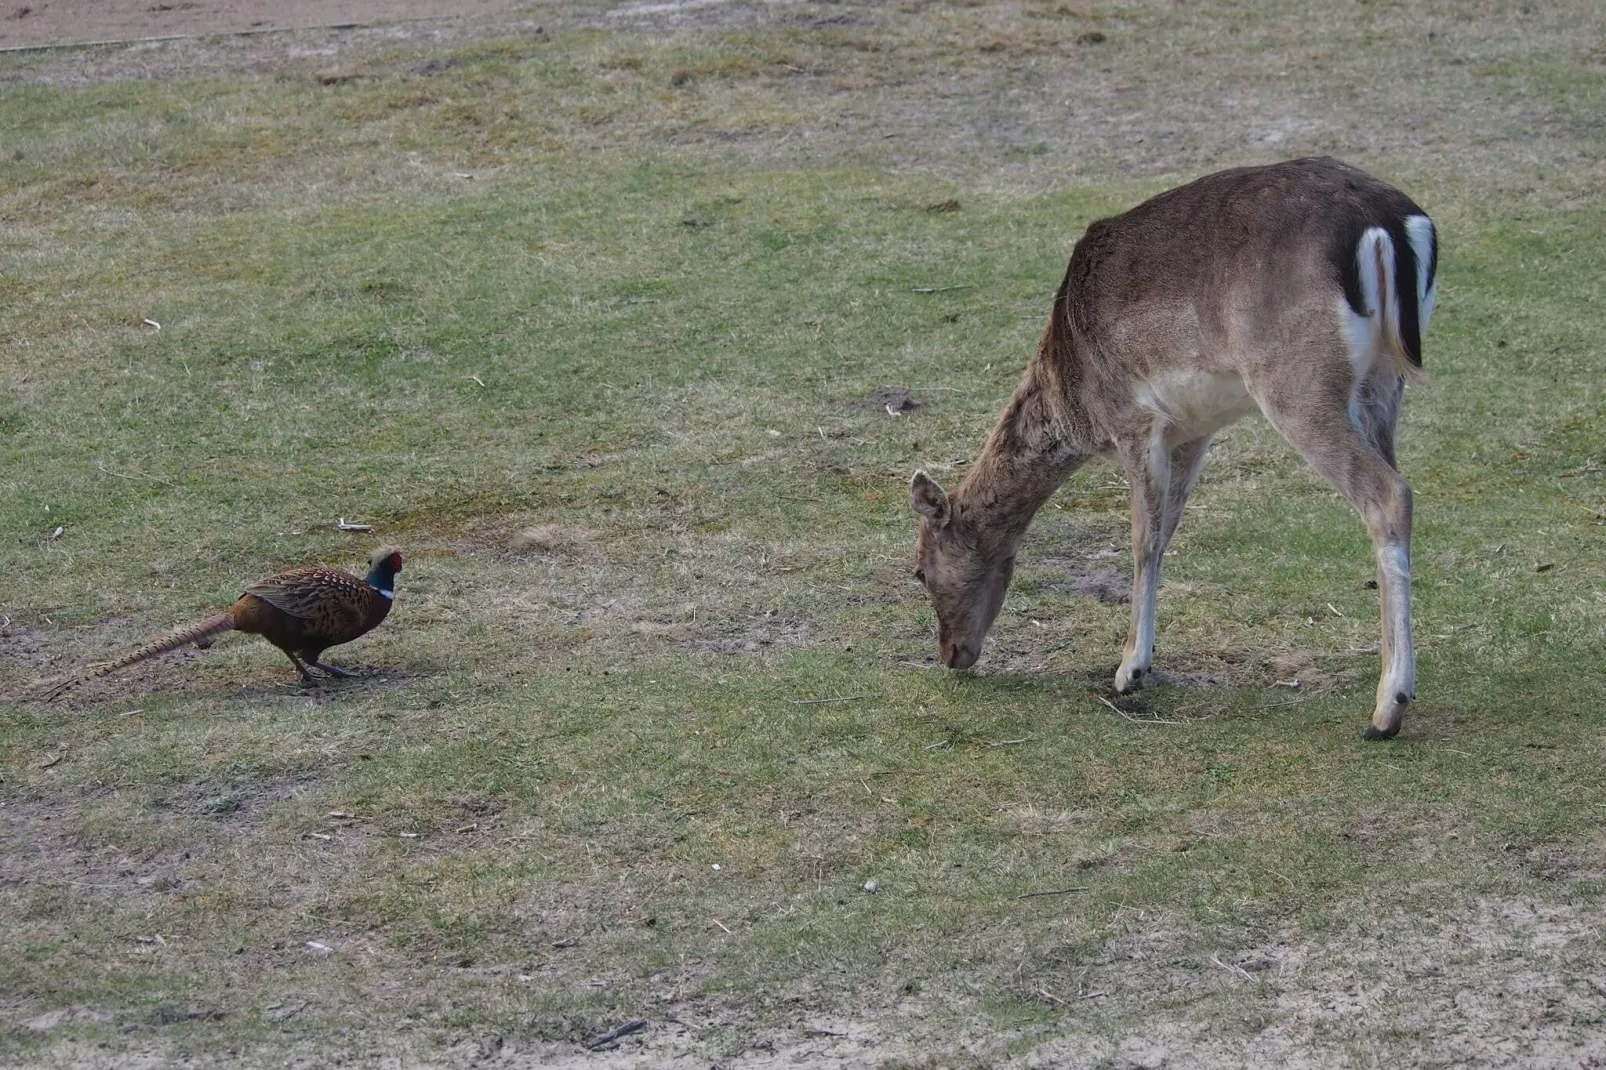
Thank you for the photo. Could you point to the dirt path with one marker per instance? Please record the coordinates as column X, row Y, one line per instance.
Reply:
column 36, row 23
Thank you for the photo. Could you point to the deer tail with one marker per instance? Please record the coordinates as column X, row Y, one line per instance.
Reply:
column 1399, row 282
column 194, row 633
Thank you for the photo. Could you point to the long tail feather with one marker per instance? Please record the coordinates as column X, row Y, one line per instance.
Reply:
column 194, row 633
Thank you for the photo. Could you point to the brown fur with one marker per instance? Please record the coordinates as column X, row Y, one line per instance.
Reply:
column 1173, row 320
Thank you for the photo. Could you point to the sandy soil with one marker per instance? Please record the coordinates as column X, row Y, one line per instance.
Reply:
column 38, row 23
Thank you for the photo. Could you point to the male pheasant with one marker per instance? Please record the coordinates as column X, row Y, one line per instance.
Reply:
column 302, row 611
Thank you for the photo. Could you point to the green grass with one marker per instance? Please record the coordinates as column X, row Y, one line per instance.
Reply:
column 650, row 326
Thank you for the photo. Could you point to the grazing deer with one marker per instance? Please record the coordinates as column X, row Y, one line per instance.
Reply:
column 1300, row 288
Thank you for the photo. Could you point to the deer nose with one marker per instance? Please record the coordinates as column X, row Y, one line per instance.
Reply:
column 956, row 656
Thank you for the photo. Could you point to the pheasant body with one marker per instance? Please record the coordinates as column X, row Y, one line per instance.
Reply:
column 302, row 611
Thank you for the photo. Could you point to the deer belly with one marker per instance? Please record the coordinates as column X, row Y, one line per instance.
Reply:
column 1196, row 403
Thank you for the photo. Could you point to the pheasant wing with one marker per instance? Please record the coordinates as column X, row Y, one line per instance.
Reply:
column 311, row 594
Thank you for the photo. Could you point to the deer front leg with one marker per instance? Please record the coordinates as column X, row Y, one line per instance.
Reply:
column 1148, row 469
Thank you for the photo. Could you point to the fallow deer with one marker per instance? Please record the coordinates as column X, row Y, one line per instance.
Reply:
column 1301, row 289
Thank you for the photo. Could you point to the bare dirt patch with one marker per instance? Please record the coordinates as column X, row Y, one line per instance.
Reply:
column 1171, row 678
column 545, row 539
column 25, row 646
column 1109, row 585
column 756, row 635
column 34, row 658
column 41, row 23
column 893, row 400
column 60, row 858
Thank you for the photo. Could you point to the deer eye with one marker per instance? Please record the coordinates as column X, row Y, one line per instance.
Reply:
column 920, row 574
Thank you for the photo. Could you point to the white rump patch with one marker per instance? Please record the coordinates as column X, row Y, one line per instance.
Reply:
column 1424, row 241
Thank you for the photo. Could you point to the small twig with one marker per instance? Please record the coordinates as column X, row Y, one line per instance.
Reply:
column 1232, row 969
column 1098, row 993
column 1051, row 891
column 1008, row 742
column 476, row 379
column 343, row 526
column 891, row 411
column 721, row 924
column 941, row 289
column 475, row 827
column 938, row 745
column 824, row 701
column 54, row 759
column 634, row 1026
column 1129, row 717
column 135, row 476
column 1294, row 683
column 285, row 1016
column 1046, row 994
column 130, row 713
column 320, row 836
column 1335, row 610
column 1292, row 701
column 823, row 1033
column 151, row 323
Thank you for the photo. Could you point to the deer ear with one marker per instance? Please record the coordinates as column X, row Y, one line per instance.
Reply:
column 929, row 500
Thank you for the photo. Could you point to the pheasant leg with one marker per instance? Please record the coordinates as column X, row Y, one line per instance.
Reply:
column 306, row 677
column 332, row 670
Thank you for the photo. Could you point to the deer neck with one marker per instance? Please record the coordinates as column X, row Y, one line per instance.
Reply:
column 1031, row 452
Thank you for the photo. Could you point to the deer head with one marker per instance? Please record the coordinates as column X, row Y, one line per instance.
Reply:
column 966, row 570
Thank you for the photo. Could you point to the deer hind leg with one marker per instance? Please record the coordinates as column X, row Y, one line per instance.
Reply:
column 1149, row 470
column 1375, row 408
column 1186, row 461
column 1356, row 457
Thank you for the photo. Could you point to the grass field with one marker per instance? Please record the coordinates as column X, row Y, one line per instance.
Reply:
column 597, row 324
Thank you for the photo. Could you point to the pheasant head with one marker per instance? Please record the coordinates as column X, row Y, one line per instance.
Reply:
column 383, row 564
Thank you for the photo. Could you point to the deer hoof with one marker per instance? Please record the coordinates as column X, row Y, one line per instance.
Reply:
column 1128, row 679
column 1388, row 717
